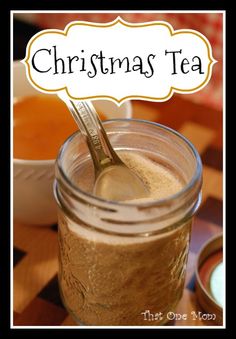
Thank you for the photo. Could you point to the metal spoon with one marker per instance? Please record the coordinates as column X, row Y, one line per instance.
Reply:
column 113, row 179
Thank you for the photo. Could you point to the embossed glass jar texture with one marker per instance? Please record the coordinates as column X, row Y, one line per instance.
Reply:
column 120, row 263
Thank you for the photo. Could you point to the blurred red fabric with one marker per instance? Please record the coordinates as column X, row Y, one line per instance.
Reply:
column 209, row 24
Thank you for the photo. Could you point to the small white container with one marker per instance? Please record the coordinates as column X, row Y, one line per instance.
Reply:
column 33, row 201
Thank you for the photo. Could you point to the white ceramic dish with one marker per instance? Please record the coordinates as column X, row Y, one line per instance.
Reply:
column 33, row 201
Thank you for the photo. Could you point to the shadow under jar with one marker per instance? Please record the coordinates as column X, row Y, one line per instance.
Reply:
column 116, row 259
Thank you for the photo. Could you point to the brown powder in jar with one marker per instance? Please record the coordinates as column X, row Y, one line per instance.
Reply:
column 111, row 280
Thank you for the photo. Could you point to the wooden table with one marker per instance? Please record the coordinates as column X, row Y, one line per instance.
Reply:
column 36, row 297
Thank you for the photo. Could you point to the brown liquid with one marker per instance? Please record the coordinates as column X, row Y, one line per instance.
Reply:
column 110, row 280
column 41, row 125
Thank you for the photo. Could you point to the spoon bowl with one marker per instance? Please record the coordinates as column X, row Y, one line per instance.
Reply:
column 119, row 183
column 113, row 179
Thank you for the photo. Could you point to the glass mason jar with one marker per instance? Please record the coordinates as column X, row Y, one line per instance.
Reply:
column 119, row 263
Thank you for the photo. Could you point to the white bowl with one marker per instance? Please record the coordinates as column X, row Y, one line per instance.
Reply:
column 33, row 201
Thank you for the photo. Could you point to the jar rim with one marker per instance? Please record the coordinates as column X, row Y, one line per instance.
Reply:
column 153, row 203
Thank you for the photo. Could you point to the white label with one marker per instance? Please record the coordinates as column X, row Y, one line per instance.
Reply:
column 119, row 61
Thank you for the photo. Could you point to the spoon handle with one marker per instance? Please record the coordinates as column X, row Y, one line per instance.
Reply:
column 91, row 127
